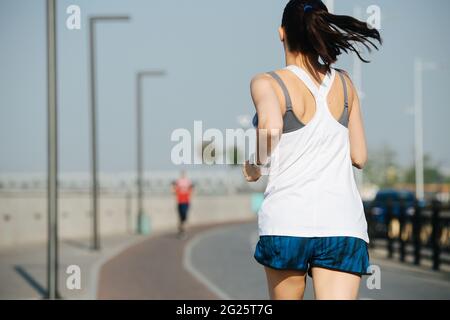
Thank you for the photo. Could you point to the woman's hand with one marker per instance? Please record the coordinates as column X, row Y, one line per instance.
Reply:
column 251, row 173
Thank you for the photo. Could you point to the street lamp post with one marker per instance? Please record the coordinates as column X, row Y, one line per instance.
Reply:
column 418, row 127
column 142, row 227
column 93, row 108
column 419, row 68
column 52, row 160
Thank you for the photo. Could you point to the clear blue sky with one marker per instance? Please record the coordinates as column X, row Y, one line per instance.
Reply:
column 211, row 49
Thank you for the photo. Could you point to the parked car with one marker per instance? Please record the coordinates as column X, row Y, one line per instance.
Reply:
column 379, row 204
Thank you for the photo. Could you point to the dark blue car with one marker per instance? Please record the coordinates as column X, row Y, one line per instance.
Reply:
column 379, row 204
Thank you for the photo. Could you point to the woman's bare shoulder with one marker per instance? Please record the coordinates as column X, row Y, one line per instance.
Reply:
column 261, row 81
column 351, row 89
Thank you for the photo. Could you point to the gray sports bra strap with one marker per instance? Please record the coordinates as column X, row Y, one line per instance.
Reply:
column 344, row 84
column 285, row 90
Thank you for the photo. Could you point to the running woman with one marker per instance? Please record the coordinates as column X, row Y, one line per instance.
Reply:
column 183, row 188
column 310, row 133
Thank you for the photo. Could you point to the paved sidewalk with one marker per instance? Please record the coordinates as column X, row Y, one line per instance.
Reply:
column 23, row 272
column 153, row 269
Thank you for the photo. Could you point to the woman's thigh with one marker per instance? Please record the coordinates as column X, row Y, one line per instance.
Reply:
column 335, row 285
column 286, row 285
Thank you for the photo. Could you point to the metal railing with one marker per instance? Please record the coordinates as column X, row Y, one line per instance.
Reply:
column 414, row 231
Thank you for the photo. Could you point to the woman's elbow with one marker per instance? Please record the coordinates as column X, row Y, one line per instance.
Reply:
column 360, row 161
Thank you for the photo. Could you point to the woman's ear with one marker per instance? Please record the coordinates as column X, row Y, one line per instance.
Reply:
column 281, row 34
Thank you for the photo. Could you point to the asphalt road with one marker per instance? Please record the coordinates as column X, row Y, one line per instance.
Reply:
column 222, row 259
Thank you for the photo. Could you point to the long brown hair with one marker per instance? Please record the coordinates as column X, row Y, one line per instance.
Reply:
column 310, row 29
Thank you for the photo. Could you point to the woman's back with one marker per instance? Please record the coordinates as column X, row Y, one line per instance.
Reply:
column 303, row 102
column 311, row 190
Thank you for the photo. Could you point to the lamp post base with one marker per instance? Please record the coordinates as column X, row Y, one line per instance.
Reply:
column 143, row 226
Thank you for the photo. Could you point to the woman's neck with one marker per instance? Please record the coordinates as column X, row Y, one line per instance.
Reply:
column 308, row 63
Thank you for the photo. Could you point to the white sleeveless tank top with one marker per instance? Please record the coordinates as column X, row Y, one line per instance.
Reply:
column 311, row 190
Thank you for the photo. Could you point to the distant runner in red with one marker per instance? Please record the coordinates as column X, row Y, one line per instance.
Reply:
column 183, row 188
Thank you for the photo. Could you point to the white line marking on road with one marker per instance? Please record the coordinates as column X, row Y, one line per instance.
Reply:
column 189, row 266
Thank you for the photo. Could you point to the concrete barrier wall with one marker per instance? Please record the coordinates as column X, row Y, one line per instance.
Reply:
column 23, row 215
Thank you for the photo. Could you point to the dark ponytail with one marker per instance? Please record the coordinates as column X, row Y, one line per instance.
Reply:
column 310, row 29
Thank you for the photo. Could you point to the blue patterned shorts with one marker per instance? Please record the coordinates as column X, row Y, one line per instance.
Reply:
column 345, row 254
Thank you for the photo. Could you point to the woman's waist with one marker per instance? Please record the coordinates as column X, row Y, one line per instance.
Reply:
column 312, row 205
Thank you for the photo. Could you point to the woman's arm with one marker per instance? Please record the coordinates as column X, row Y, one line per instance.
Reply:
column 270, row 122
column 270, row 119
column 358, row 144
